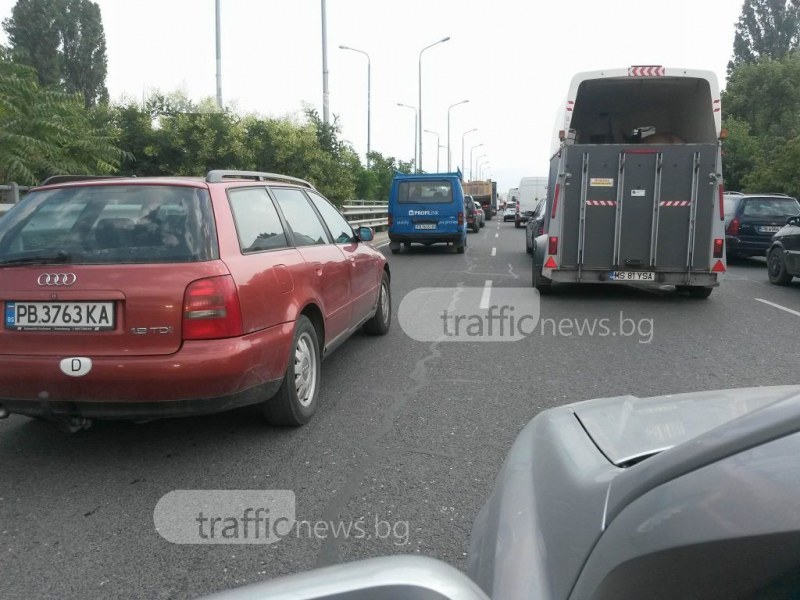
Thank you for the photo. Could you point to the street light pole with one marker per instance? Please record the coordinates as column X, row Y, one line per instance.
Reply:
column 448, row 131
column 437, row 147
column 219, row 57
column 419, row 104
column 477, row 160
column 369, row 96
column 326, row 95
column 471, row 150
column 414, row 108
column 481, row 172
column 463, row 170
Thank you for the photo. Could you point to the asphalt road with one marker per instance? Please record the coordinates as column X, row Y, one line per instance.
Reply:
column 409, row 434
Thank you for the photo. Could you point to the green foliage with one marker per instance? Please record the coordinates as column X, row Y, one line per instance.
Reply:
column 48, row 132
column 64, row 42
column 766, row 29
column 762, row 108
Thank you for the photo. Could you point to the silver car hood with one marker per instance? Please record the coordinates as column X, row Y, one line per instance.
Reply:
column 628, row 429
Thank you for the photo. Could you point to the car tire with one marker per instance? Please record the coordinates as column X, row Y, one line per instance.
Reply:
column 406, row 245
column 517, row 224
column 294, row 404
column 483, row 224
column 380, row 322
column 541, row 283
column 776, row 268
column 394, row 247
column 476, row 228
column 528, row 247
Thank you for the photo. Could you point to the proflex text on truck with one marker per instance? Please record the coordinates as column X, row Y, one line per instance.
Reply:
column 635, row 184
column 485, row 193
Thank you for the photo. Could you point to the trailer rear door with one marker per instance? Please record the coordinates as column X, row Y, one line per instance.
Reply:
column 633, row 207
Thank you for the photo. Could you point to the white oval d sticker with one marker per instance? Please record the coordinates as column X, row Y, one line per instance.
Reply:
column 76, row 366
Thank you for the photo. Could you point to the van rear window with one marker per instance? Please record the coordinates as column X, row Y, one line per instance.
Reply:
column 425, row 192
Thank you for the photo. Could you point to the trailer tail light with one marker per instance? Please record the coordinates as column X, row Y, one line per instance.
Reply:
column 733, row 226
column 721, row 190
column 552, row 245
column 555, row 201
column 460, row 219
column 719, row 246
column 211, row 309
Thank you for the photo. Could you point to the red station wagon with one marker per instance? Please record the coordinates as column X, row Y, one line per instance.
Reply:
column 141, row 298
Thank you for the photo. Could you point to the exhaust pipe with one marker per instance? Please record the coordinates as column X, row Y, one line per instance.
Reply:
column 3, row 412
column 73, row 424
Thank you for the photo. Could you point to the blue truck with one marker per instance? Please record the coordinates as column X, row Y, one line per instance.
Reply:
column 427, row 208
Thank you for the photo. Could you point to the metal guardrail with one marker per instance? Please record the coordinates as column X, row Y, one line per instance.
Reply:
column 366, row 213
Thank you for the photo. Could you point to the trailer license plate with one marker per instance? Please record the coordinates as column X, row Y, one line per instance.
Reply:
column 425, row 226
column 59, row 316
column 632, row 276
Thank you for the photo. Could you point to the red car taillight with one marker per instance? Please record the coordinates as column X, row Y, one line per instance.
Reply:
column 552, row 245
column 211, row 309
column 733, row 227
column 460, row 218
column 540, row 230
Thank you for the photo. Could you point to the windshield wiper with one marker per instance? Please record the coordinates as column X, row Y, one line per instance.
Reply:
column 59, row 257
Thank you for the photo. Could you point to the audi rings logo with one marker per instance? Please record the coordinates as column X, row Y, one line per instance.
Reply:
column 62, row 279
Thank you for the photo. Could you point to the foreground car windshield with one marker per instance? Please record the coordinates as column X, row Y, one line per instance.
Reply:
column 110, row 224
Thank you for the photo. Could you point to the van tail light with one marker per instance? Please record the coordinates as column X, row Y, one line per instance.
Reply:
column 460, row 218
column 390, row 220
column 552, row 245
column 733, row 226
column 719, row 245
column 211, row 309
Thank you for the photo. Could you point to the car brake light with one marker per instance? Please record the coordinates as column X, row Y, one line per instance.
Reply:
column 540, row 231
column 733, row 226
column 460, row 218
column 211, row 309
column 552, row 245
column 718, row 247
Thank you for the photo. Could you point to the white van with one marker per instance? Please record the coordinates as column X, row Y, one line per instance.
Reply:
column 635, row 187
column 530, row 191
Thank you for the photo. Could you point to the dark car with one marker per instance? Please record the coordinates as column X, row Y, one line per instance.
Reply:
column 534, row 227
column 783, row 256
column 752, row 219
column 140, row 298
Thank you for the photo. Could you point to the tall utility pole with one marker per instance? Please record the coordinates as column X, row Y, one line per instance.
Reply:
column 437, row 147
column 419, row 105
column 326, row 96
column 448, row 131
column 414, row 108
column 219, row 57
column 463, row 137
column 369, row 96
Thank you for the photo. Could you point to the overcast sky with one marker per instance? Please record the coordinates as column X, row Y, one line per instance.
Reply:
column 512, row 59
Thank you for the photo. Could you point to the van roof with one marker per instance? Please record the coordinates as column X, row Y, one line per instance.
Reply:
column 423, row 176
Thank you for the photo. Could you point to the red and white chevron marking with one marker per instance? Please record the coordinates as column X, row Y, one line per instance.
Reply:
column 601, row 203
column 674, row 203
column 646, row 71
